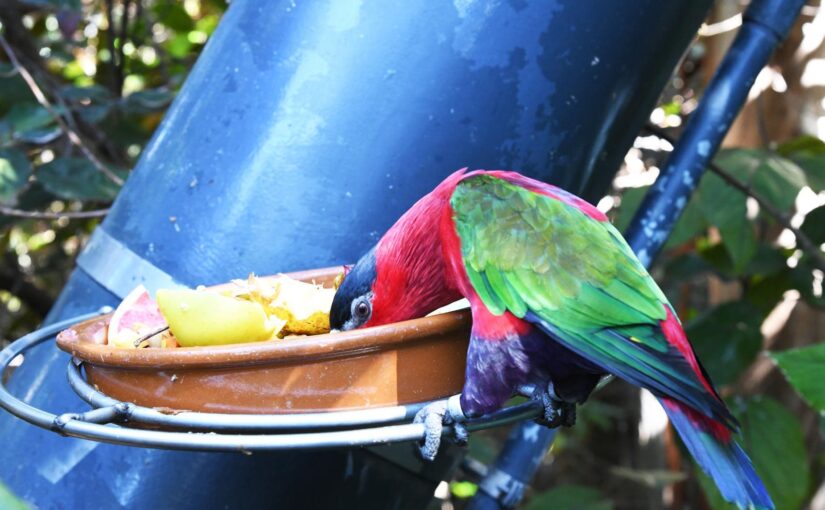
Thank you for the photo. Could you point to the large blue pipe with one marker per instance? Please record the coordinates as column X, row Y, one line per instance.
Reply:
column 303, row 132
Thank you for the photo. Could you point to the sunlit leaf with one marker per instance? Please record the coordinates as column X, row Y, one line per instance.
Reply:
column 772, row 436
column 803, row 369
column 801, row 144
column 15, row 170
column 173, row 16
column 569, row 497
column 76, row 179
column 727, row 339
column 179, row 46
column 463, row 490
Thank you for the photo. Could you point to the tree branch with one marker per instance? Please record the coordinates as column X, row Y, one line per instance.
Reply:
column 805, row 243
column 20, row 213
column 71, row 134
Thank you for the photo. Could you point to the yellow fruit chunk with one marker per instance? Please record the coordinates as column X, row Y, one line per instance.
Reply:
column 304, row 306
column 201, row 317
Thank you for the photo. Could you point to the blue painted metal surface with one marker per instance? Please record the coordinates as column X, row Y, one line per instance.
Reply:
column 766, row 22
column 300, row 136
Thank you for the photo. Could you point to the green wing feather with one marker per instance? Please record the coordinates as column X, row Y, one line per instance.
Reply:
column 575, row 277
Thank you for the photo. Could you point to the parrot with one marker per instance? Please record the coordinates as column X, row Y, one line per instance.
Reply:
column 558, row 300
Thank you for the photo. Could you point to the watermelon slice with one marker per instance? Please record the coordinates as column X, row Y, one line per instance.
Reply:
column 137, row 316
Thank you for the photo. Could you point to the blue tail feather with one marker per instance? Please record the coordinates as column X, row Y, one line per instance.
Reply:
column 725, row 462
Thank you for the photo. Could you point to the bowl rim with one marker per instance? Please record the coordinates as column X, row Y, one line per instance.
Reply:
column 271, row 352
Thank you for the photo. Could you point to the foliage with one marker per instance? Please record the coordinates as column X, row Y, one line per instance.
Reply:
column 108, row 71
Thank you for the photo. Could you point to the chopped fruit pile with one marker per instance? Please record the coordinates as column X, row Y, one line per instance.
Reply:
column 250, row 310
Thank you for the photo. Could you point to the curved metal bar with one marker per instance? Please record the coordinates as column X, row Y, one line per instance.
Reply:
column 359, row 428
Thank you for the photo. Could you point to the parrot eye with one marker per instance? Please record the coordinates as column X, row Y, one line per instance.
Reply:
column 361, row 309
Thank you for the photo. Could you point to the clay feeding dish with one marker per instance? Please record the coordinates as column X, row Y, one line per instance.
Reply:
column 402, row 363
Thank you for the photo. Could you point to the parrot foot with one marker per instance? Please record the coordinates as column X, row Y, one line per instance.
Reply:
column 434, row 416
column 557, row 412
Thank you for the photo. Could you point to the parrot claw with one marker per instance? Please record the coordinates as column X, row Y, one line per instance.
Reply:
column 434, row 416
column 557, row 412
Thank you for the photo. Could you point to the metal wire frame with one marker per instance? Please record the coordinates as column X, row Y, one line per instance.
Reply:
column 223, row 432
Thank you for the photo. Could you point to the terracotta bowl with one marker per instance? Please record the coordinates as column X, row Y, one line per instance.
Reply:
column 403, row 363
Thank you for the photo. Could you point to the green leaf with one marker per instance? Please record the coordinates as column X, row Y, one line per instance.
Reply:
column 718, row 257
column 147, row 101
column 809, row 153
column 803, row 144
column 767, row 260
column 15, row 170
column 569, row 497
column 174, row 16
column 28, row 116
column 684, row 267
column 463, row 490
column 76, row 179
column 91, row 93
column 8, row 501
column 773, row 177
column 727, row 339
column 814, row 225
column 40, row 136
column 690, row 224
column 803, row 369
column 773, row 438
column 724, row 207
column 765, row 291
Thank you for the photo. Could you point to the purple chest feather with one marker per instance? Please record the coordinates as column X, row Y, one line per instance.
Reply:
column 496, row 368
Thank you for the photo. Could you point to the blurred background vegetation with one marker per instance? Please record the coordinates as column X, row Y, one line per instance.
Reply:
column 83, row 85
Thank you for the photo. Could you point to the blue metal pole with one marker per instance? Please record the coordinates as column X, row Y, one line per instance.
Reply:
column 766, row 23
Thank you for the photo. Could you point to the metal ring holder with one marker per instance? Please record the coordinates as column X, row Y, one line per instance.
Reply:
column 222, row 432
